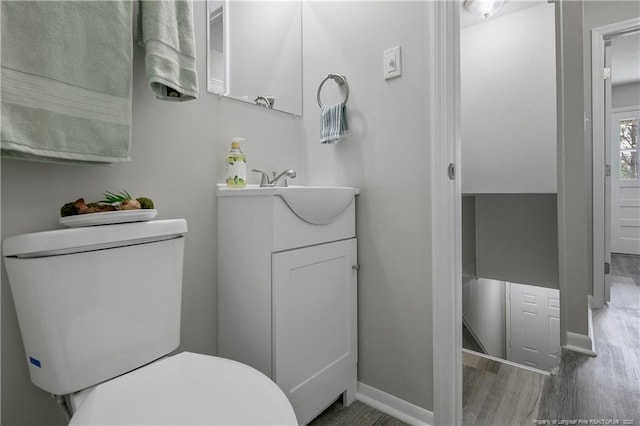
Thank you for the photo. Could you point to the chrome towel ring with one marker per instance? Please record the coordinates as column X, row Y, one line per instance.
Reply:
column 341, row 81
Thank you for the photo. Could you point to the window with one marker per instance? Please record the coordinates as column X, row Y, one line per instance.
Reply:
column 628, row 149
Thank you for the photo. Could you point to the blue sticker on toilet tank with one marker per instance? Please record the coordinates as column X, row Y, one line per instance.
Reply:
column 35, row 362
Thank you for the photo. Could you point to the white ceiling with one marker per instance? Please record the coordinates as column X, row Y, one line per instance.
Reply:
column 625, row 59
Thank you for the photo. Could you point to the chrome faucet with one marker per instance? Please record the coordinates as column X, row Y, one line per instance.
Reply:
column 289, row 173
column 265, row 101
column 266, row 182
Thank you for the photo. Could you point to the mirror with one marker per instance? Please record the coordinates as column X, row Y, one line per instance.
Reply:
column 254, row 51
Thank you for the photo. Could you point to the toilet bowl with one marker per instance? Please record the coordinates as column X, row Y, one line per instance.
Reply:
column 99, row 312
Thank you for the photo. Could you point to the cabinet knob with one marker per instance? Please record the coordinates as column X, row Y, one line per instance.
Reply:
column 355, row 267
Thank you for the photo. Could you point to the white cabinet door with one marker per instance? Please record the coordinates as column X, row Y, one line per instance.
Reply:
column 534, row 322
column 314, row 317
column 625, row 183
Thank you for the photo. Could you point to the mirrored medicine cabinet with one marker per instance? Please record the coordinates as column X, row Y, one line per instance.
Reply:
column 254, row 52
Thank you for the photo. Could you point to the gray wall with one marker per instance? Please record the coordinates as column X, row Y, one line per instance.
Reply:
column 484, row 313
column 511, row 237
column 517, row 238
column 178, row 157
column 468, row 236
column 387, row 156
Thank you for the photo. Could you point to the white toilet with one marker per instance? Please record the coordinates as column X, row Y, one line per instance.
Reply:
column 99, row 310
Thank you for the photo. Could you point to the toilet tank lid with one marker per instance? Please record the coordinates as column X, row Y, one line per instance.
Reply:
column 75, row 240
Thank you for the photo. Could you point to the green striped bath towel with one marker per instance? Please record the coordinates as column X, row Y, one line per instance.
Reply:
column 66, row 80
column 165, row 30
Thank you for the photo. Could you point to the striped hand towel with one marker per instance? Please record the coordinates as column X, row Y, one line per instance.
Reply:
column 333, row 123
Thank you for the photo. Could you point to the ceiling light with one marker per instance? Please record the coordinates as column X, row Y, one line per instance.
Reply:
column 483, row 8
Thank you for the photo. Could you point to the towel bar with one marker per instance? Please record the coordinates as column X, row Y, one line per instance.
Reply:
column 340, row 80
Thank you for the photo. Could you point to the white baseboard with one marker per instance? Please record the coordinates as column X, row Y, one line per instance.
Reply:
column 394, row 406
column 580, row 343
column 584, row 344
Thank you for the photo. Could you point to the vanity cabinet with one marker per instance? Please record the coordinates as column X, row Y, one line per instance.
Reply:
column 287, row 296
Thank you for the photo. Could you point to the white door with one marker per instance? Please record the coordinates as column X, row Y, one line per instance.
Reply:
column 314, row 317
column 534, row 326
column 625, row 182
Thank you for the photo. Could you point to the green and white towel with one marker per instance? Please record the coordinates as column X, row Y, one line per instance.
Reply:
column 66, row 80
column 165, row 29
column 333, row 123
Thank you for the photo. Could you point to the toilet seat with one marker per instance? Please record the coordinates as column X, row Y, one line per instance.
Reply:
column 187, row 388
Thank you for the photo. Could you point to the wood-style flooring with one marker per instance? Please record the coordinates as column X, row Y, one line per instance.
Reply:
column 606, row 387
column 495, row 393
column 584, row 390
column 355, row 414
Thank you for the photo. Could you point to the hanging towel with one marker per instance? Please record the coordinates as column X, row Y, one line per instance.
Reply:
column 66, row 80
column 165, row 30
column 333, row 123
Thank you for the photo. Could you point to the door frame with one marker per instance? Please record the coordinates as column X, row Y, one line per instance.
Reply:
column 446, row 211
column 599, row 36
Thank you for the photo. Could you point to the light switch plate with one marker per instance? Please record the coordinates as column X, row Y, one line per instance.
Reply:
column 392, row 63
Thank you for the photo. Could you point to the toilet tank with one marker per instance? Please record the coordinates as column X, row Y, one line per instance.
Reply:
column 96, row 302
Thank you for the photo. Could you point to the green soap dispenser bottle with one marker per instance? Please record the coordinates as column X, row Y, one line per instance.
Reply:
column 236, row 165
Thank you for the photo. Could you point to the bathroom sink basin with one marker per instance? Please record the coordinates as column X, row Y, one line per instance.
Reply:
column 318, row 205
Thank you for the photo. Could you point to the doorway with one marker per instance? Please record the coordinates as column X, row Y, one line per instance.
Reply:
column 625, row 180
column 616, row 188
column 446, row 208
column 509, row 184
